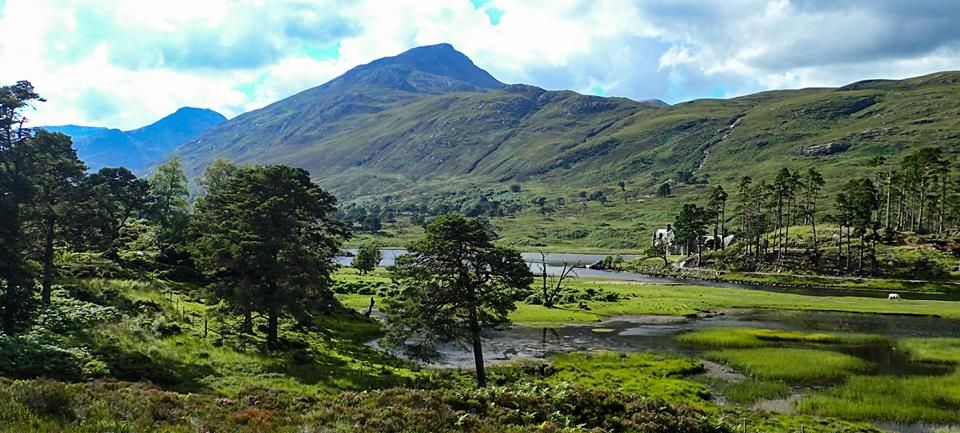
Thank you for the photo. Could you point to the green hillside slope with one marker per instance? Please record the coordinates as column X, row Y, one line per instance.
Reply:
column 428, row 121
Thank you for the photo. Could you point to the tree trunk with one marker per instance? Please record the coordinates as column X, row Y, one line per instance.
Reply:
column 943, row 198
column 272, row 325
column 923, row 199
column 860, row 260
column 11, row 304
column 723, row 223
column 370, row 309
column 699, row 250
column 889, row 191
column 786, row 238
column 247, row 326
column 477, row 348
column 547, row 301
column 848, row 248
column 47, row 278
column 900, row 208
column 840, row 249
column 813, row 224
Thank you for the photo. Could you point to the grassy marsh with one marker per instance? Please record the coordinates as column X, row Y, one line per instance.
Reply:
column 903, row 399
column 791, row 365
column 946, row 350
column 758, row 337
column 648, row 375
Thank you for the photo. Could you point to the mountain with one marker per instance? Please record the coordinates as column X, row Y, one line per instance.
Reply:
column 429, row 120
column 141, row 147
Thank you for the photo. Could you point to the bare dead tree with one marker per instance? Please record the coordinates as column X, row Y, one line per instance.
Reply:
column 552, row 284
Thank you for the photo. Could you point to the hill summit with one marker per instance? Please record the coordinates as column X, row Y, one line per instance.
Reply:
column 139, row 148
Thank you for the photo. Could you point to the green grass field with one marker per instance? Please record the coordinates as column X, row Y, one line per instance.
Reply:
column 790, row 364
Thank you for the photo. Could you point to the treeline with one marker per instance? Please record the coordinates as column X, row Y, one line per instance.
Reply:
column 371, row 216
column 261, row 238
column 917, row 194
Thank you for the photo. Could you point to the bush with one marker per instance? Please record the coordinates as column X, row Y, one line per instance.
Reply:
column 524, row 408
column 73, row 266
column 38, row 355
column 45, row 398
column 573, row 296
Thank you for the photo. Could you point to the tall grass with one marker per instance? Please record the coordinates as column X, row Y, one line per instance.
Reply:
column 946, row 350
column 903, row 399
column 648, row 375
column 758, row 337
column 751, row 391
column 790, row 365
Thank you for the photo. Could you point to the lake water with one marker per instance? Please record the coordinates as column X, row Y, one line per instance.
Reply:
column 657, row 334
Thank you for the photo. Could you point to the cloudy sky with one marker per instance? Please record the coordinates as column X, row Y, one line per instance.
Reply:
column 126, row 63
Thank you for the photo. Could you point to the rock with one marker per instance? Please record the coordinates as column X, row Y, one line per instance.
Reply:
column 831, row 148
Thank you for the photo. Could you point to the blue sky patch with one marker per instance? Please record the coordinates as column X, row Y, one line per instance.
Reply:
column 321, row 52
column 493, row 13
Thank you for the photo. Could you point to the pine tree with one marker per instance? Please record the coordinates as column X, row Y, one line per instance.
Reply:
column 456, row 283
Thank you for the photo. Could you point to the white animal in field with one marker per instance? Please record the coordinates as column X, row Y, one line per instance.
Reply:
column 893, row 296
column 664, row 237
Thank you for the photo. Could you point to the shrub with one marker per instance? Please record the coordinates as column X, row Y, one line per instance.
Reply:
column 74, row 265
column 45, row 398
column 39, row 355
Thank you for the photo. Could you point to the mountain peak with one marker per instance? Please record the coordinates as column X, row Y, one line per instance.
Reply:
column 436, row 68
column 196, row 113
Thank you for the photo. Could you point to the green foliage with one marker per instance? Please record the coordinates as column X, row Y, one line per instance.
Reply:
column 789, row 364
column 267, row 237
column 691, row 226
column 455, row 283
column 167, row 203
column 108, row 199
column 80, row 265
column 367, row 258
column 566, row 296
column 37, row 176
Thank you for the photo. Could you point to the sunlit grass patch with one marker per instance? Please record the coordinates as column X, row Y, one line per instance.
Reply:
column 903, row 399
column 945, row 350
column 789, row 364
column 750, row 391
column 643, row 374
column 758, row 337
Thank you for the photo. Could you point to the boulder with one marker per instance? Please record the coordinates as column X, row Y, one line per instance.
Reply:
column 831, row 148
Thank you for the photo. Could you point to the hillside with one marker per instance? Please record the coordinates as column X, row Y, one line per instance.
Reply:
column 139, row 148
column 429, row 117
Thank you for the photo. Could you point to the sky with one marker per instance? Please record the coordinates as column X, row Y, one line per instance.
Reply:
column 127, row 63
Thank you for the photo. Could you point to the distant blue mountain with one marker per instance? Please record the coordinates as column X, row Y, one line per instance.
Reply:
column 142, row 147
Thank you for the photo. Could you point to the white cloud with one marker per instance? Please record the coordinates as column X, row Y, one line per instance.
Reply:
column 125, row 63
